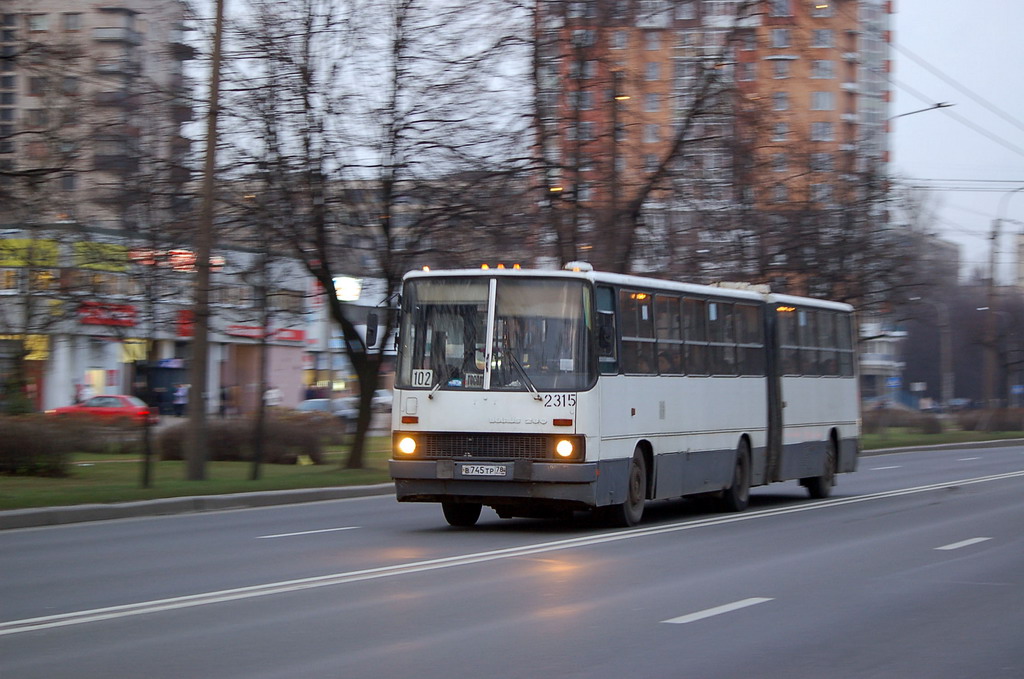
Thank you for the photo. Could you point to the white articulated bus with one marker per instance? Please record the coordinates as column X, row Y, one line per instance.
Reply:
column 539, row 393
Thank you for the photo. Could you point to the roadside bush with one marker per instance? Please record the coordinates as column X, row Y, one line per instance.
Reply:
column 876, row 421
column 1001, row 419
column 285, row 439
column 31, row 445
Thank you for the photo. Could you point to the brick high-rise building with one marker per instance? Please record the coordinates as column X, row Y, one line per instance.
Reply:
column 715, row 123
column 92, row 100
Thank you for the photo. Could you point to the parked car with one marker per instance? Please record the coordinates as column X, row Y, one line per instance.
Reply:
column 338, row 407
column 112, row 408
column 382, row 401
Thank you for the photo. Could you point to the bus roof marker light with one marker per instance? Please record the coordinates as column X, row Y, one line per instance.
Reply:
column 578, row 266
column 485, row 267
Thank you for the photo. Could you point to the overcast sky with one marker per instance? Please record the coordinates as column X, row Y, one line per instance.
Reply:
column 970, row 54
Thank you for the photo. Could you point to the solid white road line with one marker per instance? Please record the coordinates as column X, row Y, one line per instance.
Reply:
column 968, row 459
column 962, row 543
column 305, row 532
column 878, row 469
column 717, row 610
column 192, row 600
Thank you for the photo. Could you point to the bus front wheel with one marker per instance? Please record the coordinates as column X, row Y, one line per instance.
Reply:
column 461, row 514
column 631, row 511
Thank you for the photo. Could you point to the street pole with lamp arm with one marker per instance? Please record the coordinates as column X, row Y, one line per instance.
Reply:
column 990, row 325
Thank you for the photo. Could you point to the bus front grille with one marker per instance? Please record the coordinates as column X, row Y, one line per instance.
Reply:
column 486, row 446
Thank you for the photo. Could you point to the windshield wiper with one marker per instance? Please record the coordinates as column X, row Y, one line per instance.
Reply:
column 522, row 372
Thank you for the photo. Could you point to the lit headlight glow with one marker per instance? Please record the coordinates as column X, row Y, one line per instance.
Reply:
column 407, row 445
column 564, row 448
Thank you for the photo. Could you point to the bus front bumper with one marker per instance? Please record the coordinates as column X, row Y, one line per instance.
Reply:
column 439, row 480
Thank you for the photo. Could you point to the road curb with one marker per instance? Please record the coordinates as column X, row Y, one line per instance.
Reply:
column 56, row 516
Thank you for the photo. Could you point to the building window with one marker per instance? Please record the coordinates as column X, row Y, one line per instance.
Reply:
column 821, row 131
column 821, row 9
column 651, row 163
column 822, row 37
column 823, row 101
column 71, row 21
column 652, row 102
column 652, row 134
column 652, row 40
column 620, row 40
column 780, row 163
column 38, row 22
column 6, row 115
column 68, row 182
column 780, row 132
column 36, row 86
column 780, row 37
column 37, row 117
column 780, row 69
column 821, row 193
column 822, row 69
column 747, row 71
column 821, row 162
column 587, row 131
column 686, row 10
column 8, row 82
column 780, row 194
column 652, row 71
column 780, row 8
column 780, row 101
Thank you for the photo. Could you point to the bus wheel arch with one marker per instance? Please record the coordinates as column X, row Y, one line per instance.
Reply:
column 736, row 497
column 820, row 487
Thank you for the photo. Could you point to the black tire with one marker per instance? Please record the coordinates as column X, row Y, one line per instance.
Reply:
column 820, row 487
column 736, row 497
column 461, row 514
column 630, row 512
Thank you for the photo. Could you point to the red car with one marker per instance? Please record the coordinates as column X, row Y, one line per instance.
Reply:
column 111, row 408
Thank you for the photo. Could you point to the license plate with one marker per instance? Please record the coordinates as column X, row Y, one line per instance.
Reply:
column 483, row 469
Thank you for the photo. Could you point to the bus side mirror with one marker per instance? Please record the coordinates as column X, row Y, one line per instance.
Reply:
column 371, row 329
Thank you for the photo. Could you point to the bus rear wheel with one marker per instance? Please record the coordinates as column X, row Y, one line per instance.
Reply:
column 461, row 514
column 736, row 497
column 820, row 487
column 631, row 511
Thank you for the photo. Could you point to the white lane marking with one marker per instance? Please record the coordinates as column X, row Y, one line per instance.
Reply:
column 305, row 532
column 962, row 543
column 717, row 610
column 968, row 459
column 878, row 469
column 192, row 600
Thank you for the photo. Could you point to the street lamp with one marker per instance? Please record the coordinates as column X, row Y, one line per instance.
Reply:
column 990, row 325
column 940, row 104
column 946, row 375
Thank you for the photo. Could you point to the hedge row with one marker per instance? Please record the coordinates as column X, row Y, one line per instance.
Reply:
column 42, row 445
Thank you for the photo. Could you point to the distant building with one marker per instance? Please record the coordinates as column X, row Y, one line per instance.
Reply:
column 881, row 364
column 92, row 100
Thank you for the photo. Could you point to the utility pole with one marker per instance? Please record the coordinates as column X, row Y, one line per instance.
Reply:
column 990, row 320
column 198, row 445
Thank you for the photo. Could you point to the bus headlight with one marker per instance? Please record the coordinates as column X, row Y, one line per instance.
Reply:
column 565, row 448
column 406, row 445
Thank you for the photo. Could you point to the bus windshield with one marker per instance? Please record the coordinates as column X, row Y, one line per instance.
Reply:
column 540, row 334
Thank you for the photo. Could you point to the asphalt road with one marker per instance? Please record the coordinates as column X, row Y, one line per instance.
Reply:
column 915, row 568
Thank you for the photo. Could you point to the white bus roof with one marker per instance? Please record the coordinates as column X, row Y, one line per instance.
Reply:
column 634, row 281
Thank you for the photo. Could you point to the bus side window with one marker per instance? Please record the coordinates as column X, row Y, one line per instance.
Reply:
column 607, row 355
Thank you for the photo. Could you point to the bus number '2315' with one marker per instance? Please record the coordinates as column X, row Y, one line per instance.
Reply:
column 559, row 400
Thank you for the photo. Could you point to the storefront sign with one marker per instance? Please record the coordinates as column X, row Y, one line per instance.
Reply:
column 102, row 313
column 255, row 332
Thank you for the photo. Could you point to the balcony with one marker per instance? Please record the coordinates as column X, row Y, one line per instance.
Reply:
column 114, row 99
column 116, row 34
column 117, row 67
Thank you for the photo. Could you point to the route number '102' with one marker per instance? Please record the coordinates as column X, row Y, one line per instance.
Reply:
column 559, row 400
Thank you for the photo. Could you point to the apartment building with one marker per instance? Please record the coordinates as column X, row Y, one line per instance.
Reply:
column 92, row 100
column 723, row 121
